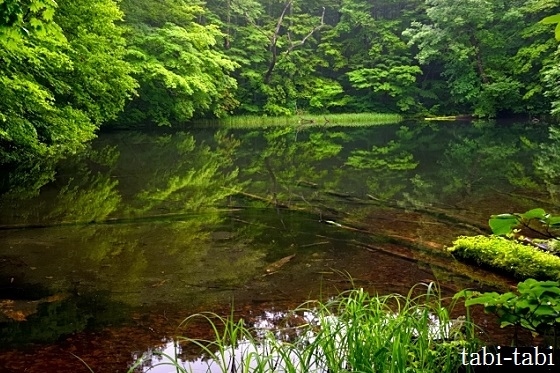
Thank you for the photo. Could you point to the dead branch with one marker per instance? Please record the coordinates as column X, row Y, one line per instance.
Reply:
column 274, row 41
column 302, row 41
column 293, row 45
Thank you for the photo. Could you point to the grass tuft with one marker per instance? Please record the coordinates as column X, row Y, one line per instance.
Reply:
column 353, row 332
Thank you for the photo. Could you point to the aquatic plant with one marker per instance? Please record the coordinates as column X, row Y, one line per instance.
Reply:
column 355, row 331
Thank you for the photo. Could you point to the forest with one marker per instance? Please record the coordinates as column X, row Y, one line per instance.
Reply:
column 69, row 68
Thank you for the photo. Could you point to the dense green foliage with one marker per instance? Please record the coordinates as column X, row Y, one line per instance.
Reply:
column 535, row 306
column 536, row 221
column 521, row 260
column 62, row 74
column 179, row 70
column 68, row 67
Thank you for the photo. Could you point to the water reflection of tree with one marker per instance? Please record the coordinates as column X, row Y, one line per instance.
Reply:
column 25, row 180
column 85, row 191
column 167, row 218
column 547, row 163
column 486, row 157
column 419, row 163
column 148, row 233
column 190, row 176
column 281, row 163
column 478, row 159
column 90, row 194
column 386, row 167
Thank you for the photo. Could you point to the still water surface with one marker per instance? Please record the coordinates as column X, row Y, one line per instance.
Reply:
column 102, row 255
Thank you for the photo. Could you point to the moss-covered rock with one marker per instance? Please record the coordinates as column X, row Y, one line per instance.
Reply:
column 523, row 261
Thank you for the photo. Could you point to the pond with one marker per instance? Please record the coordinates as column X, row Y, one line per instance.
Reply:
column 103, row 254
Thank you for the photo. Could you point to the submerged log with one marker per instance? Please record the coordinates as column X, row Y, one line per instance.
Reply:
column 274, row 267
column 438, row 213
column 127, row 220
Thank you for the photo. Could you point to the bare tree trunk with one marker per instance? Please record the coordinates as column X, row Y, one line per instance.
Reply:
column 479, row 62
column 274, row 41
column 293, row 44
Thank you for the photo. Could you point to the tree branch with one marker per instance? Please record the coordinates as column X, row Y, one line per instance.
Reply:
column 273, row 42
column 302, row 41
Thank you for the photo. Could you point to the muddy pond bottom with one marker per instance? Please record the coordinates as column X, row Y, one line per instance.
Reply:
column 110, row 310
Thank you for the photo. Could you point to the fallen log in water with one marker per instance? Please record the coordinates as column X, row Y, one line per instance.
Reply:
column 438, row 213
column 128, row 220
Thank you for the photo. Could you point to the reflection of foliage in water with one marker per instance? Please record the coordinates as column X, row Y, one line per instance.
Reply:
column 547, row 163
column 157, row 218
column 289, row 157
column 142, row 263
column 85, row 196
column 418, row 163
column 22, row 184
column 199, row 176
column 481, row 158
column 186, row 185
column 160, row 216
column 88, row 196
column 384, row 167
column 470, row 162
column 56, row 319
column 26, row 180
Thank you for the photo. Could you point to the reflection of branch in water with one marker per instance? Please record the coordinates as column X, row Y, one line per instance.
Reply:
column 274, row 180
column 315, row 244
column 207, row 286
column 310, row 205
column 157, row 217
column 262, row 199
column 542, row 202
column 438, row 213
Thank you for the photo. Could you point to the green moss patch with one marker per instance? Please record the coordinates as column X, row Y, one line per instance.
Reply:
column 522, row 261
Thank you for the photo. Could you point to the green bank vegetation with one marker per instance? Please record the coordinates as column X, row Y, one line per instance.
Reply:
column 326, row 120
column 354, row 331
column 535, row 306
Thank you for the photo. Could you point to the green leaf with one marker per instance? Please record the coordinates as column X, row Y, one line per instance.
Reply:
column 551, row 19
column 534, row 214
column 503, row 224
column 485, row 299
column 553, row 220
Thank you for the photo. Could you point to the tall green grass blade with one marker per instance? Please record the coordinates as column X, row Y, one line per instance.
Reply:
column 353, row 332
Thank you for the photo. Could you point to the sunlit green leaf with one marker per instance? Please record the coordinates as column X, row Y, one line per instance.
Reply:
column 503, row 224
column 551, row 19
column 534, row 214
